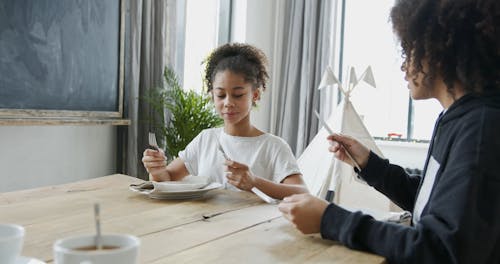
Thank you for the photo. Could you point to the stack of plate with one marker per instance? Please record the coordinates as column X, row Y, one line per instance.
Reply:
column 189, row 188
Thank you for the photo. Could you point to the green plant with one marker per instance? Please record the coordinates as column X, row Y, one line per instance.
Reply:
column 190, row 113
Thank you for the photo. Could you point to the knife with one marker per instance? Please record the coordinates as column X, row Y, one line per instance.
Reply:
column 255, row 190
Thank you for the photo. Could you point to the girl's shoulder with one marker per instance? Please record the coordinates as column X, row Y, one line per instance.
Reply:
column 274, row 139
column 276, row 143
column 211, row 132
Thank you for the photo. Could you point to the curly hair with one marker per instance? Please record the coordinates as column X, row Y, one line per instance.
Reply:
column 240, row 59
column 457, row 39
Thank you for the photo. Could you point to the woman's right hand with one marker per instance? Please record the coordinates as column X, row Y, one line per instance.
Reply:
column 155, row 163
column 359, row 152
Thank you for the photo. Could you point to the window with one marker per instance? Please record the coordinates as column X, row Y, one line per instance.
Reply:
column 206, row 28
column 369, row 40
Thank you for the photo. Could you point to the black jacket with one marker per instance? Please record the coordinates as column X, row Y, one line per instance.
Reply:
column 461, row 220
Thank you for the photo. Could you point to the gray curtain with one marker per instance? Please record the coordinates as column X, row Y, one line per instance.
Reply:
column 147, row 53
column 306, row 47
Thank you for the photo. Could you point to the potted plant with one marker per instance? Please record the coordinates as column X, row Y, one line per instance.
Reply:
column 190, row 113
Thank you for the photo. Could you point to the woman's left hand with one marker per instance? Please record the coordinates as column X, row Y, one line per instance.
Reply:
column 239, row 175
column 304, row 211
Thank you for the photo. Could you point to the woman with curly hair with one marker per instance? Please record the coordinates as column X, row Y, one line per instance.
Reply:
column 235, row 76
column 452, row 53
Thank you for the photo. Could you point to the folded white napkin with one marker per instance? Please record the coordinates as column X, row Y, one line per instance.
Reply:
column 393, row 217
column 188, row 183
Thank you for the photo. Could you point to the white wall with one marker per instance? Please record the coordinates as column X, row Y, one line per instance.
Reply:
column 32, row 156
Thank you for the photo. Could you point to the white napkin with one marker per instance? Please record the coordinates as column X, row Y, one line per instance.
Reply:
column 393, row 217
column 188, row 183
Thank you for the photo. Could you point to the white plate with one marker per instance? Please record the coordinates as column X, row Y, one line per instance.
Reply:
column 179, row 195
column 27, row 260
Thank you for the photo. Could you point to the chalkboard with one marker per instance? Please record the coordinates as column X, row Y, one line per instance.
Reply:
column 61, row 58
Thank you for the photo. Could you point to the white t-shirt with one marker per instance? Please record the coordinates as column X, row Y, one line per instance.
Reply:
column 267, row 156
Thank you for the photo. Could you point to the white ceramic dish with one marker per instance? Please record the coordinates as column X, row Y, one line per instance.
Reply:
column 178, row 195
column 27, row 260
column 125, row 251
column 11, row 242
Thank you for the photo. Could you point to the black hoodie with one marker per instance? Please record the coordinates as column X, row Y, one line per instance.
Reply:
column 461, row 221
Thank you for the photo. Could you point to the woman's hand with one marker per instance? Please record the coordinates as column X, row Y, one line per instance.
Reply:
column 155, row 163
column 239, row 175
column 338, row 145
column 304, row 211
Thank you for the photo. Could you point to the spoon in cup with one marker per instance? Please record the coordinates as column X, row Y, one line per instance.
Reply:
column 97, row 217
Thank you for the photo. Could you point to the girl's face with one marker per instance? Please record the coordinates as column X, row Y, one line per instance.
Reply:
column 233, row 97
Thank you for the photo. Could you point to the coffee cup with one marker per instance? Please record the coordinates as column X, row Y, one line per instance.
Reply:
column 116, row 248
column 11, row 242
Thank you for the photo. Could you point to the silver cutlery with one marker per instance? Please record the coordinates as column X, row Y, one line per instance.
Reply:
column 266, row 198
column 152, row 141
column 97, row 217
column 219, row 147
column 331, row 132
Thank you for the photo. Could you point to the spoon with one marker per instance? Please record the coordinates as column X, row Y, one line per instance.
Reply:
column 98, row 239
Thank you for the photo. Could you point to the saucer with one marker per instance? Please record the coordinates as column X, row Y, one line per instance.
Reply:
column 28, row 260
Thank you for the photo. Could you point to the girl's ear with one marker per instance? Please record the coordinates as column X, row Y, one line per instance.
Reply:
column 256, row 95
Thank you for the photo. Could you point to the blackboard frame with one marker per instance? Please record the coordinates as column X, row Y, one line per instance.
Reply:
column 85, row 116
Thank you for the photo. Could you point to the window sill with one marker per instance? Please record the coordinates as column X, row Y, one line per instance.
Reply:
column 402, row 144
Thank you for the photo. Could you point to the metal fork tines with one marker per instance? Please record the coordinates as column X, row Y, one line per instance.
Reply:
column 219, row 146
column 223, row 153
column 152, row 141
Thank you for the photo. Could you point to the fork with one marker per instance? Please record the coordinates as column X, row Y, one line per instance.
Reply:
column 255, row 190
column 152, row 141
column 219, row 147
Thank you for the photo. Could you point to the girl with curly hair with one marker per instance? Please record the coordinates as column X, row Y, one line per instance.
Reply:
column 452, row 54
column 235, row 76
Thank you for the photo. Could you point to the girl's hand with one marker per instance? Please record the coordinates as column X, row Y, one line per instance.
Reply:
column 239, row 175
column 338, row 144
column 304, row 211
column 155, row 163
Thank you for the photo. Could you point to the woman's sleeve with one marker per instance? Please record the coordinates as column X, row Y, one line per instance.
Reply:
column 459, row 224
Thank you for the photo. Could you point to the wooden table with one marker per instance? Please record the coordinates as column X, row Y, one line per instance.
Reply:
column 222, row 227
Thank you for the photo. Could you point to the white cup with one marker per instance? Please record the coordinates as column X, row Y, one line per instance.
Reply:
column 69, row 250
column 11, row 242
